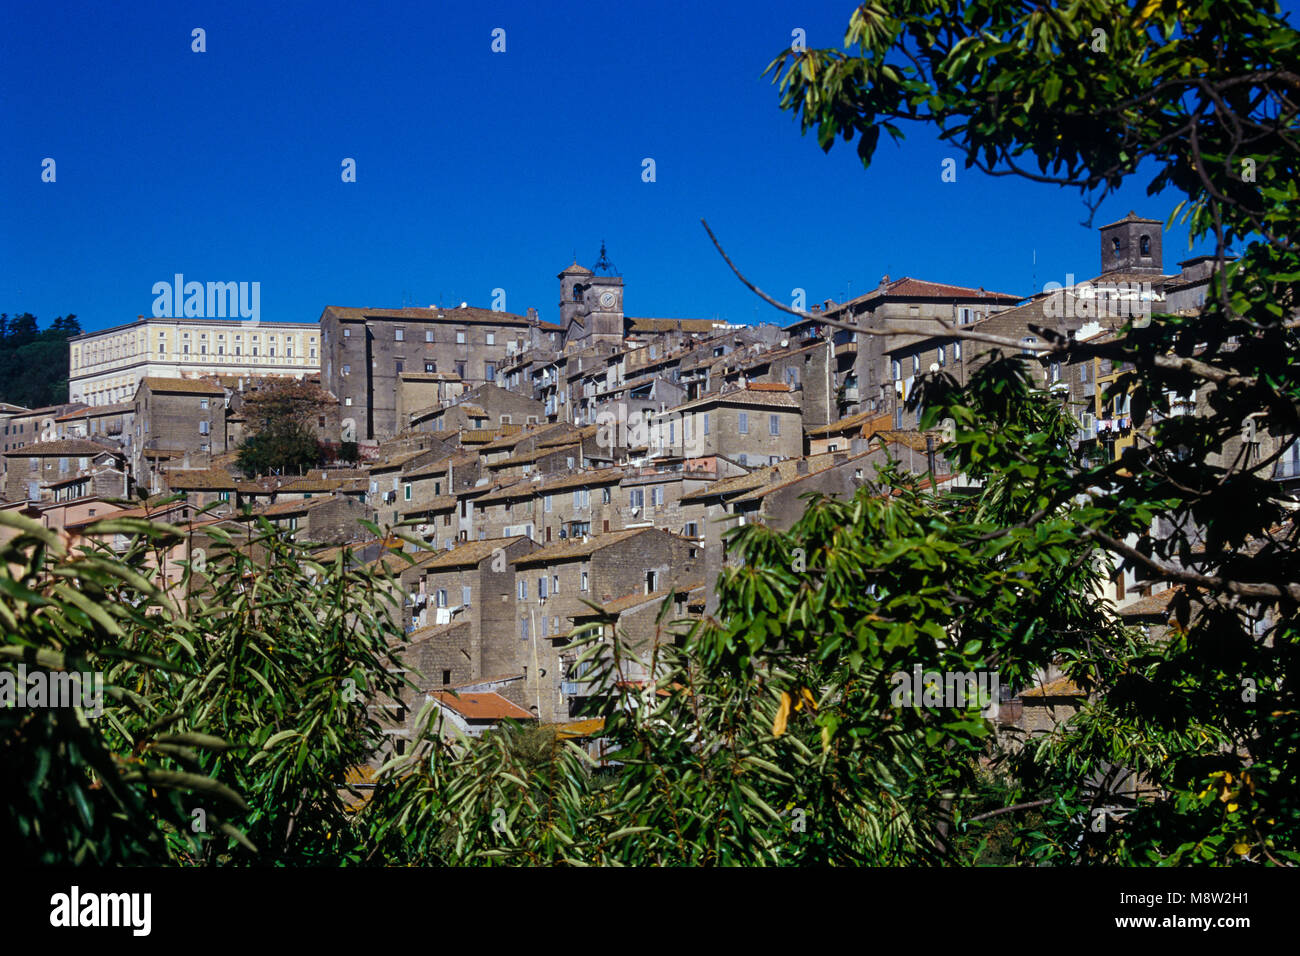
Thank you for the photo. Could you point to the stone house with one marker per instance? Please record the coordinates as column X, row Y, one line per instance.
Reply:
column 33, row 470
column 185, row 415
column 554, row 583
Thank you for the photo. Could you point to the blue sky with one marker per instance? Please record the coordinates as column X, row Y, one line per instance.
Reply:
column 475, row 170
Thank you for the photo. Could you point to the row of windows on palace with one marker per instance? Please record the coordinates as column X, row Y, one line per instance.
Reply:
column 99, row 354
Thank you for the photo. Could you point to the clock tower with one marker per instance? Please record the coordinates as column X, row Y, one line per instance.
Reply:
column 591, row 303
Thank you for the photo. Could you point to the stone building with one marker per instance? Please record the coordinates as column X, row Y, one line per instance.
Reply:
column 553, row 583
column 106, row 367
column 757, row 424
column 185, row 416
column 367, row 351
column 33, row 471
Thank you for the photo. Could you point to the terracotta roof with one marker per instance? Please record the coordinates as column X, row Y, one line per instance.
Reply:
column 744, row 396
column 438, row 503
column 1061, row 687
column 468, row 314
column 762, row 475
column 851, row 423
column 907, row 287
column 466, row 555
column 480, row 705
column 291, row 507
column 307, row 485
column 599, row 476
column 183, row 386
column 96, row 411
column 577, row 547
column 579, row 728
column 398, row 460
column 672, row 325
column 576, row 270
column 201, row 478
column 629, row 601
column 569, row 438
column 1153, row 606
column 63, row 447
column 541, row 451
column 768, row 387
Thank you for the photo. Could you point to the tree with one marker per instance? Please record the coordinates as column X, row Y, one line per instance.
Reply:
column 282, row 420
column 34, row 362
column 1201, row 96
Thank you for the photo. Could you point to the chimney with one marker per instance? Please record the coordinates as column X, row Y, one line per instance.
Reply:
column 532, row 314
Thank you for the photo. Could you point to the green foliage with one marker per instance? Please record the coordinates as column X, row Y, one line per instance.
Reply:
column 33, row 361
column 235, row 698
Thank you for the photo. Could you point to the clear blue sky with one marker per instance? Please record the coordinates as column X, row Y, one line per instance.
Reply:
column 475, row 170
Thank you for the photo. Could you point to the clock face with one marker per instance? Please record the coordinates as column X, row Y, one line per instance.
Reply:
column 607, row 300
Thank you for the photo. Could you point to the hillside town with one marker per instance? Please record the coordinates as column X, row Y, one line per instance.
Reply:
column 570, row 472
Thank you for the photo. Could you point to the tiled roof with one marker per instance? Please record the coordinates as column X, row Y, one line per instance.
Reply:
column 852, row 423
column 468, row 314
column 183, row 386
column 763, row 475
column 468, row 554
column 671, row 325
column 599, row 476
column 481, row 706
column 578, row 548
column 629, row 601
column 97, row 411
column 744, row 396
column 63, row 447
column 439, row 503
column 1061, row 687
column 398, row 460
column 202, row 478
column 1153, row 606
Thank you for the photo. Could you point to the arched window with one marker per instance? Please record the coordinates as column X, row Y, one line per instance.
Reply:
column 1144, row 245
column 1114, row 245
column 577, row 293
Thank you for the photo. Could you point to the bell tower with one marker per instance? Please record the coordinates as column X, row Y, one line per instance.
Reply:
column 591, row 303
column 1131, row 245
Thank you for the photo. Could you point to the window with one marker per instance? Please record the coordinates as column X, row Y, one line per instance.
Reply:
column 446, row 677
column 706, row 423
column 541, row 588
column 898, row 370
column 773, row 424
column 792, row 377
column 406, row 492
column 546, row 503
column 636, row 498
column 691, row 530
column 460, row 336
column 490, row 371
column 203, row 403
column 943, row 356
column 605, row 496
column 1083, row 371
column 743, row 459
column 491, row 338
column 651, row 582
column 1144, row 246
column 203, row 428
column 582, row 585
column 544, row 632
column 460, row 369
column 523, row 590
column 442, row 597
column 916, row 364
column 523, row 629
column 63, row 466
column 555, row 584
column 347, row 401
column 1027, row 344
column 965, row 316
column 744, row 423
column 400, row 366
column 956, row 351
column 465, row 594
